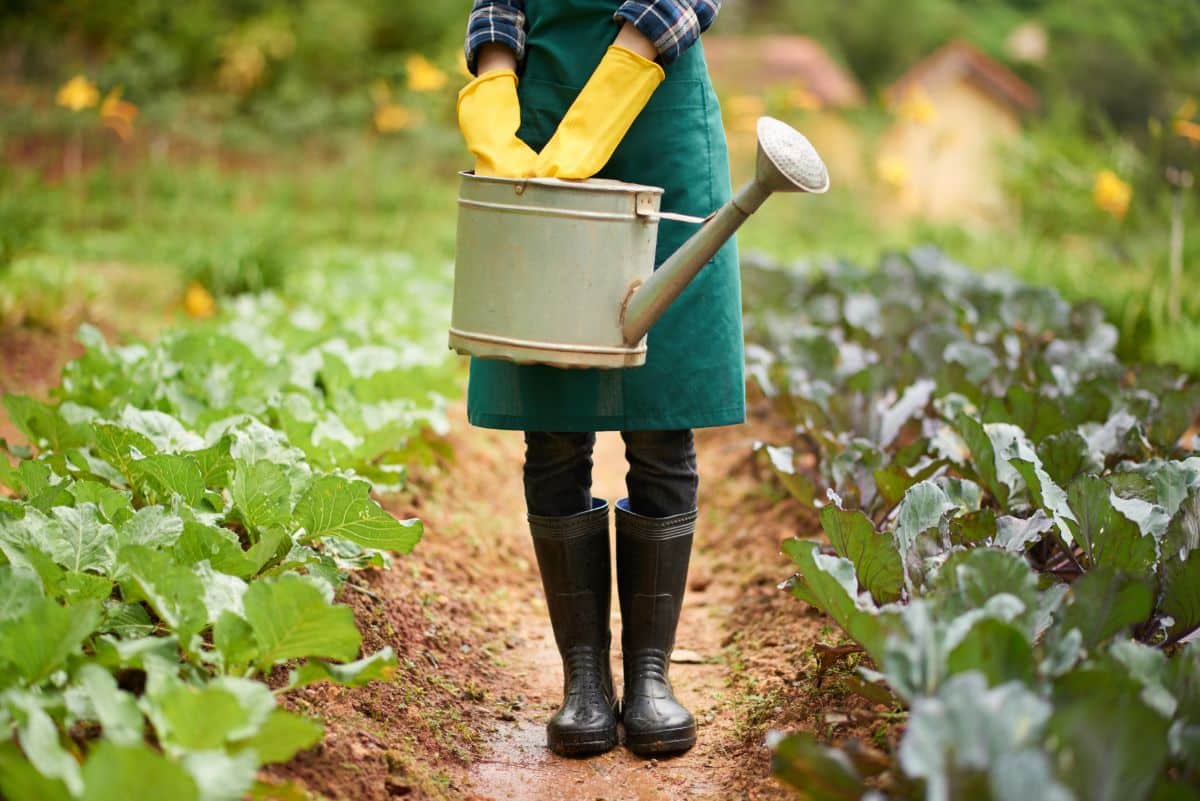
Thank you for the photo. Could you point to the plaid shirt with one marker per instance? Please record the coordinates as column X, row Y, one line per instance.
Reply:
column 672, row 25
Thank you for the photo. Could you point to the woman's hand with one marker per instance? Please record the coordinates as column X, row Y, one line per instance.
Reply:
column 489, row 116
column 604, row 110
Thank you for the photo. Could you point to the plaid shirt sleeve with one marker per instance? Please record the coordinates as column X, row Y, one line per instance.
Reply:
column 500, row 21
column 673, row 25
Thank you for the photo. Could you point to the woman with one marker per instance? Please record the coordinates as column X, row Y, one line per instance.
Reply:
column 614, row 90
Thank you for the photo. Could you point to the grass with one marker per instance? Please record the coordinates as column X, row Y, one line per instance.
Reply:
column 129, row 229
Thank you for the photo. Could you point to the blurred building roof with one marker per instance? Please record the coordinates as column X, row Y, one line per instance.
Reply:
column 961, row 60
column 752, row 64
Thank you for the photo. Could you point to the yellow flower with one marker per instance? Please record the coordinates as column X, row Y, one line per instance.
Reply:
column 916, row 106
column 77, row 94
column 391, row 117
column 893, row 171
column 1111, row 194
column 118, row 115
column 424, row 76
column 1188, row 130
column 198, row 302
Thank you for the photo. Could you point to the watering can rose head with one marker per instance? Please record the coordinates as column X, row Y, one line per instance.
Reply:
column 562, row 272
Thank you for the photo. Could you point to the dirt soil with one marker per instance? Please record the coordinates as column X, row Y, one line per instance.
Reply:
column 480, row 675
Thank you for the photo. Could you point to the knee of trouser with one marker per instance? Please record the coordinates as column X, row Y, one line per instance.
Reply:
column 558, row 472
column 667, row 451
column 547, row 447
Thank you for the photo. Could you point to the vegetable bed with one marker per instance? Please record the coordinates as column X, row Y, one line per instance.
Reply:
column 175, row 534
column 1012, row 521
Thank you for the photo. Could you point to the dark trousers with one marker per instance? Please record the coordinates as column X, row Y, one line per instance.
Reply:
column 662, row 479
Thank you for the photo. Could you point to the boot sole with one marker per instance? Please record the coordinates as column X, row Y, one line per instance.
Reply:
column 584, row 744
column 668, row 741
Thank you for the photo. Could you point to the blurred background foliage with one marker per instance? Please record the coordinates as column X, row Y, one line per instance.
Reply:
column 1120, row 62
column 206, row 143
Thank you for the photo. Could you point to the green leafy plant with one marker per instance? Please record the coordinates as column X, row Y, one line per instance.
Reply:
column 1012, row 526
column 176, row 532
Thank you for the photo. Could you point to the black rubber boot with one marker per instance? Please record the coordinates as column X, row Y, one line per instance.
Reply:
column 652, row 564
column 573, row 557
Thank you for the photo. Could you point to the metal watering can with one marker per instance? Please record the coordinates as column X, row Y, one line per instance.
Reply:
column 562, row 272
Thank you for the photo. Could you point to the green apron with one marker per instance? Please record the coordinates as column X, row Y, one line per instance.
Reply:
column 693, row 376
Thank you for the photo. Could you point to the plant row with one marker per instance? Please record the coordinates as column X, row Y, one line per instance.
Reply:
column 1012, row 522
column 177, row 531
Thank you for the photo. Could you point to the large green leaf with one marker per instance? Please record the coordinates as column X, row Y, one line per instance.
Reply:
column 1177, row 410
column 39, row 642
column 215, row 463
column 829, row 584
column 222, row 776
column 43, row 424
column 222, row 593
column 39, row 740
column 1181, row 592
column 115, row 505
column 969, row 579
column 191, row 718
column 876, row 560
column 151, row 526
column 78, row 539
column 1183, row 533
column 1103, row 603
column 334, row 506
column 262, row 493
column 1000, row 651
column 218, row 546
column 1098, row 760
column 166, row 432
column 960, row 739
column 121, row 447
column 283, row 735
column 234, row 640
column 1064, row 456
column 22, row 590
column 291, row 618
column 171, row 589
column 1046, row 494
column 1017, row 534
column 21, row 781
column 120, row 773
column 918, row 532
column 983, row 456
column 167, row 474
column 814, row 771
column 1108, row 538
column 379, row 666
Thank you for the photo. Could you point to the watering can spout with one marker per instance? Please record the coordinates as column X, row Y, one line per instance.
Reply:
column 787, row 162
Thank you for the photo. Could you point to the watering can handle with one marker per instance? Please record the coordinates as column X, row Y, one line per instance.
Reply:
column 679, row 218
column 684, row 218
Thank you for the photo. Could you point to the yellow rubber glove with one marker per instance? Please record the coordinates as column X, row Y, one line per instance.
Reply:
column 489, row 116
column 600, row 116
